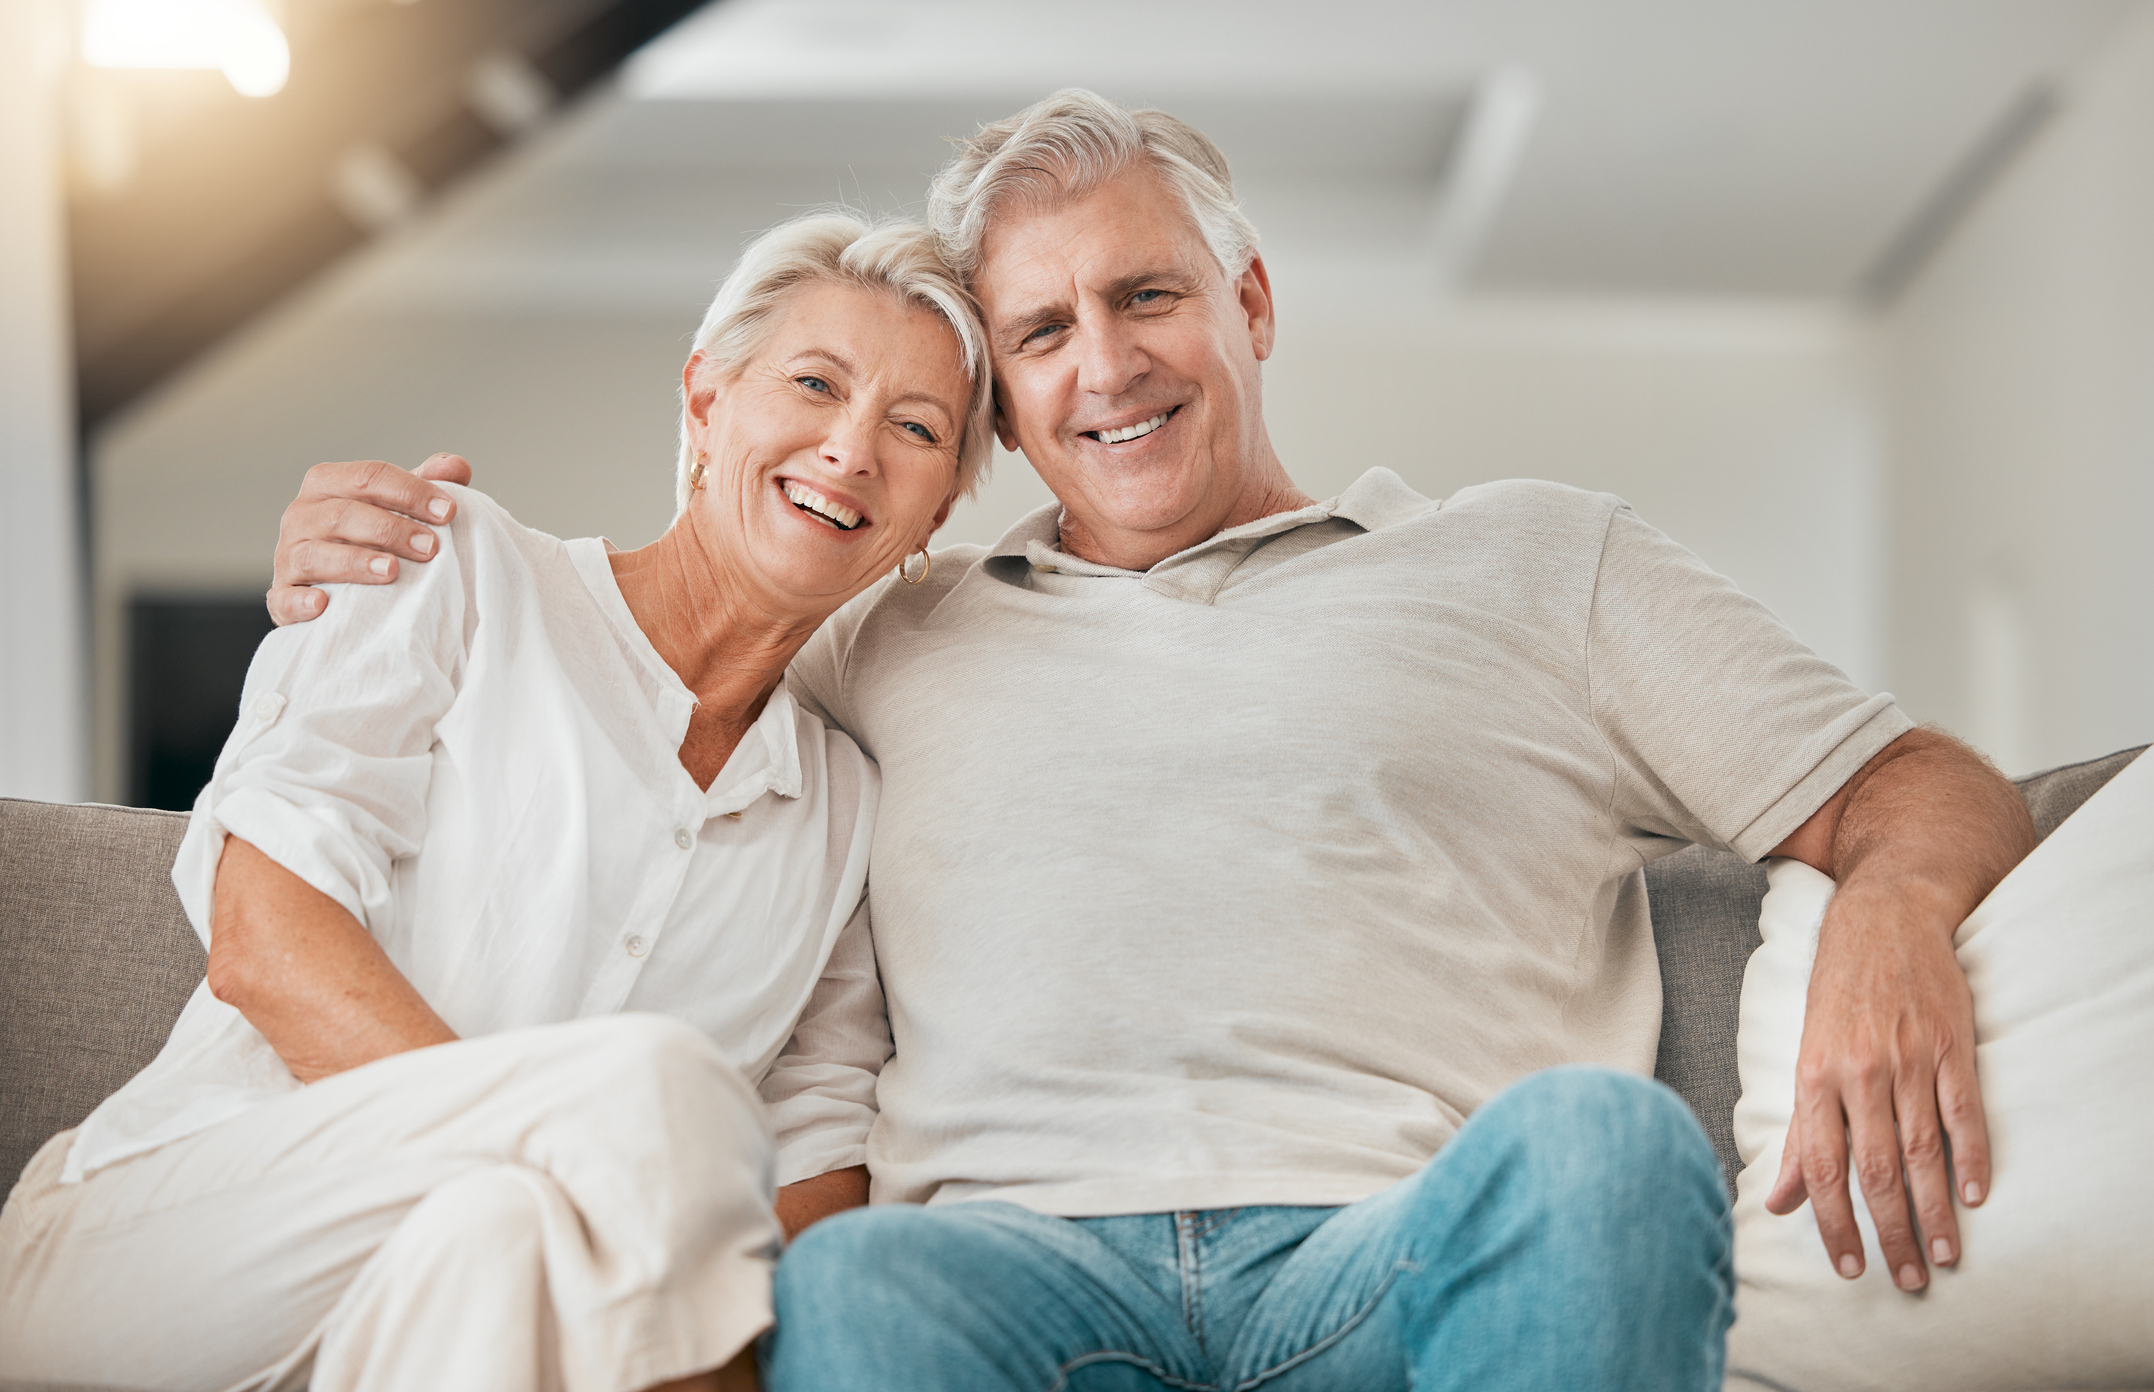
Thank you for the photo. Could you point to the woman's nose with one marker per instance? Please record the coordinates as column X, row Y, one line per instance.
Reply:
column 850, row 447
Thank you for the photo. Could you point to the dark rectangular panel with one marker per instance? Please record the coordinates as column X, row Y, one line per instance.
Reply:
column 188, row 657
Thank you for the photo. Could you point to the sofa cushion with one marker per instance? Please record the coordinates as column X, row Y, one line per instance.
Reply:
column 96, row 957
column 1705, row 926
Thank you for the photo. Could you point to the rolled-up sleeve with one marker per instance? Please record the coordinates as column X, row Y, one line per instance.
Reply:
column 821, row 1091
column 326, row 771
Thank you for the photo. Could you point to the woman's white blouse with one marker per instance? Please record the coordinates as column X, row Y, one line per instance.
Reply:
column 481, row 763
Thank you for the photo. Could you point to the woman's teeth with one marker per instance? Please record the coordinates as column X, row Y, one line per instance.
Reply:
column 808, row 500
column 1131, row 432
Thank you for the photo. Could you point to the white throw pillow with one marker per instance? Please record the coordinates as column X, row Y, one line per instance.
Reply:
column 2055, row 1287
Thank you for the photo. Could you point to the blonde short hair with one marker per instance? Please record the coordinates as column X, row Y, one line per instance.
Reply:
column 1068, row 145
column 896, row 257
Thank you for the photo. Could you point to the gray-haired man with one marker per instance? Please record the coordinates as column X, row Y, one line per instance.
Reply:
column 1248, row 866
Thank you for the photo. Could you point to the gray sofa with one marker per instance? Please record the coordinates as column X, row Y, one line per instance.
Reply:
column 96, row 958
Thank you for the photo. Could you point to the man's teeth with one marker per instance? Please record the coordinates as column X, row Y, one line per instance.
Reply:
column 815, row 502
column 1131, row 432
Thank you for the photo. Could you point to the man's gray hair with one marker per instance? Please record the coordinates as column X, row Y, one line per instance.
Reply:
column 1068, row 145
column 891, row 256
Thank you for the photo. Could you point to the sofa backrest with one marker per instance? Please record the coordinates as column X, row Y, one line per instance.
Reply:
column 96, row 957
column 96, row 960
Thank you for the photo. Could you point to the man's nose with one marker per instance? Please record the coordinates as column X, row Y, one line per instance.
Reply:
column 1109, row 358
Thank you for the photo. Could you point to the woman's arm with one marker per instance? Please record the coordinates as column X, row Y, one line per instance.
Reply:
column 306, row 973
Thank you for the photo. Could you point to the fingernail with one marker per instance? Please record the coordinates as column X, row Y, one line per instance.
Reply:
column 438, row 509
column 1940, row 1251
column 379, row 565
column 423, row 543
column 1910, row 1277
column 1971, row 1191
column 1850, row 1265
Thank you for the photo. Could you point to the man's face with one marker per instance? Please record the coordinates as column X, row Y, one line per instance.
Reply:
column 1126, row 366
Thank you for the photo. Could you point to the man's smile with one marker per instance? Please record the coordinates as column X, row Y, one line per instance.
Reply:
column 1130, row 432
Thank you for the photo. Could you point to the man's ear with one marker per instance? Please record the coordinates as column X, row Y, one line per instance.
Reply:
column 1254, row 292
column 1004, row 431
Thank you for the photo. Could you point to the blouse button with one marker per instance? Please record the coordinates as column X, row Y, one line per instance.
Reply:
column 683, row 838
column 636, row 946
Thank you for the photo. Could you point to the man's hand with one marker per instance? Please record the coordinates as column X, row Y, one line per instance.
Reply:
column 1886, row 1075
column 353, row 521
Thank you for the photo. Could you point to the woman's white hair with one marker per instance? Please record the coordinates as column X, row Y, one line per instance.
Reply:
column 1068, row 145
column 895, row 257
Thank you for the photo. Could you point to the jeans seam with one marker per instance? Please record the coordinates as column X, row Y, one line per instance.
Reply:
column 1187, row 1238
column 1351, row 1323
column 1062, row 1374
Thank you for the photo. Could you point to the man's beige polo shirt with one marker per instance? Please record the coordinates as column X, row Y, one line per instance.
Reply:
column 1245, row 879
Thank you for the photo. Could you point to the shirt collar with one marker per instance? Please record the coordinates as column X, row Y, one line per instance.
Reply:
column 767, row 759
column 1379, row 498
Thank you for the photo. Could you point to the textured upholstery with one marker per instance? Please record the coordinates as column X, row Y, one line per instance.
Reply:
column 1705, row 925
column 96, row 958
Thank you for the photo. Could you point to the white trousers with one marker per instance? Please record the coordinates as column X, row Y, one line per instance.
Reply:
column 583, row 1207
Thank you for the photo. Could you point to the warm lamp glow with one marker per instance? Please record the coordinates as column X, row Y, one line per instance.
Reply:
column 237, row 37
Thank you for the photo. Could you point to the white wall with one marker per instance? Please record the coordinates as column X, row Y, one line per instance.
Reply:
column 2019, row 375
column 42, row 724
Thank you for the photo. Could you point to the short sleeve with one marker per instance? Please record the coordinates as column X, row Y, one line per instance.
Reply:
column 1724, row 727
column 326, row 772
column 821, row 1091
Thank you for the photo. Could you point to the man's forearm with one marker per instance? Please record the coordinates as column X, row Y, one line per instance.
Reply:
column 306, row 974
column 1930, row 824
column 813, row 1200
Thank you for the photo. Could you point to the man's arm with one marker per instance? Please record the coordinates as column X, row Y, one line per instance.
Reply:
column 306, row 973
column 1886, row 1076
column 353, row 522
column 813, row 1200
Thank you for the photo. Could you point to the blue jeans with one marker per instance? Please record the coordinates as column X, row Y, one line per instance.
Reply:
column 1574, row 1235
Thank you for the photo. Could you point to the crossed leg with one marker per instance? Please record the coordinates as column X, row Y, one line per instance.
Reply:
column 583, row 1206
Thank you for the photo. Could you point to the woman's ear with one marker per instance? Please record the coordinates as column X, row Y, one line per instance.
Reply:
column 942, row 515
column 699, row 388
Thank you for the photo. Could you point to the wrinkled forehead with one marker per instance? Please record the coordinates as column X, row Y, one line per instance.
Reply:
column 1053, row 240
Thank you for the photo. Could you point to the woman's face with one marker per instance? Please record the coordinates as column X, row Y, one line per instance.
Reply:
column 832, row 455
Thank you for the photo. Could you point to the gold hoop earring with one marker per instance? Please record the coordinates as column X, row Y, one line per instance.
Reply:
column 695, row 475
column 925, row 562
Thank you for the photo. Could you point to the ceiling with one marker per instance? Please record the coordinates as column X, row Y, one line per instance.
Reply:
column 1622, row 147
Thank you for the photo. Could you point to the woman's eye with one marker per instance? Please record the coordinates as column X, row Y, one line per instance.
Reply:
column 815, row 384
column 920, row 430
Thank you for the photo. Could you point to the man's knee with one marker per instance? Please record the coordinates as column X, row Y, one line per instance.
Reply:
column 877, row 1253
column 1601, row 1130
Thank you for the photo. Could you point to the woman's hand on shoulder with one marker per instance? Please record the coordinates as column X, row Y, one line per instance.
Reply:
column 354, row 522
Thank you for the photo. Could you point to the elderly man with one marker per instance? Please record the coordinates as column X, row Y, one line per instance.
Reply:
column 1250, row 866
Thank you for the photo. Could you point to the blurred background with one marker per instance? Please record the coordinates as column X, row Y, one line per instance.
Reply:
column 1855, row 298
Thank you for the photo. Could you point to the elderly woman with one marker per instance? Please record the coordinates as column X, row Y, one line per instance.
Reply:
column 521, row 878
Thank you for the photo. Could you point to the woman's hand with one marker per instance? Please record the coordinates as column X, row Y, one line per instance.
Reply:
column 306, row 974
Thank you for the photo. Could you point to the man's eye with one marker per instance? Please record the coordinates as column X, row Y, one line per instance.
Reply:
column 815, row 384
column 920, row 430
column 1146, row 296
column 1042, row 331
